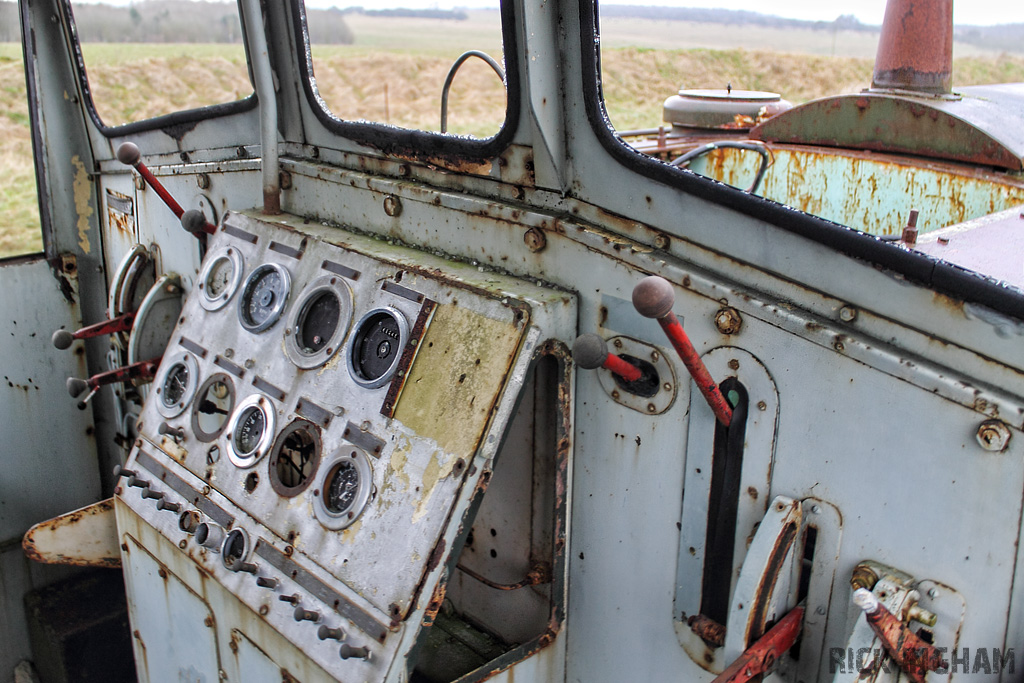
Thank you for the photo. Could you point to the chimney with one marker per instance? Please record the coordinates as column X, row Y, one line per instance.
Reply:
column 915, row 50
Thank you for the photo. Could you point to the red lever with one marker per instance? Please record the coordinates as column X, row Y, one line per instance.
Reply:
column 591, row 352
column 145, row 369
column 123, row 323
column 653, row 297
column 762, row 655
column 128, row 153
column 914, row 656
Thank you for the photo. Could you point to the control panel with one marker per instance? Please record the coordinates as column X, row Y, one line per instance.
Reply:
column 327, row 409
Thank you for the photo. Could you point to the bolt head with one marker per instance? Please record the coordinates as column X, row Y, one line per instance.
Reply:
column 993, row 436
column 728, row 321
column 392, row 205
column 535, row 240
column 847, row 314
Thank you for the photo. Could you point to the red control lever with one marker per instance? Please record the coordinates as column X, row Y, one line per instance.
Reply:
column 591, row 352
column 145, row 369
column 128, row 153
column 914, row 656
column 762, row 655
column 653, row 297
column 123, row 323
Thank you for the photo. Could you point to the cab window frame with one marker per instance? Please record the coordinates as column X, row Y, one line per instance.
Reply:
column 391, row 139
column 184, row 119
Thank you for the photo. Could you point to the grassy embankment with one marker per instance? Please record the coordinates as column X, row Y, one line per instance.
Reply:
column 374, row 80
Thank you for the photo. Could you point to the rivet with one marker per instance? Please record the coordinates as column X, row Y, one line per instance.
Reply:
column 651, row 408
column 761, row 405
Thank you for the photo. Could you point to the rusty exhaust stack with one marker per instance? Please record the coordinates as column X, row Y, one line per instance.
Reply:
column 915, row 50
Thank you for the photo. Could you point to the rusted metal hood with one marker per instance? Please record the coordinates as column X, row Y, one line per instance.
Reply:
column 978, row 124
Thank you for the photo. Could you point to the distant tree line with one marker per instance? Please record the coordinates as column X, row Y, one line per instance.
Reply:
column 456, row 14
column 846, row 22
column 172, row 21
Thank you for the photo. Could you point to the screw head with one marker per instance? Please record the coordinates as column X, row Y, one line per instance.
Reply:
column 662, row 241
column 933, row 593
column 993, row 436
column 392, row 205
column 535, row 240
column 728, row 321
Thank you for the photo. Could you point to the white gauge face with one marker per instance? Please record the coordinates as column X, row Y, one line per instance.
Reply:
column 176, row 384
column 264, row 297
column 220, row 277
column 250, row 431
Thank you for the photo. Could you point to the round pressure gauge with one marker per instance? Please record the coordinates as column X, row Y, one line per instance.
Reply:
column 250, row 430
column 214, row 401
column 319, row 322
column 376, row 347
column 176, row 384
column 263, row 297
column 343, row 488
column 219, row 278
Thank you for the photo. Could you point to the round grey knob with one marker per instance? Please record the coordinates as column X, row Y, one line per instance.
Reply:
column 301, row 614
column 326, row 632
column 128, row 153
column 589, row 351
column 653, row 297
column 62, row 339
column 77, row 387
column 193, row 221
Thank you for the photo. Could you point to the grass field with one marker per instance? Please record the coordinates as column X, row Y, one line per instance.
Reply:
column 394, row 72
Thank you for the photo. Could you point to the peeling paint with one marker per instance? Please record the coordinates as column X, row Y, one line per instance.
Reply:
column 83, row 207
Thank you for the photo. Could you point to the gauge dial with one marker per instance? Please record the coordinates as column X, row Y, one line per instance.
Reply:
column 343, row 489
column 251, row 430
column 319, row 322
column 263, row 298
column 213, row 404
column 295, row 457
column 176, row 384
column 377, row 347
column 219, row 278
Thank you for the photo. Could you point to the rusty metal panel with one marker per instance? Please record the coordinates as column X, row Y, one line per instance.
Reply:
column 86, row 537
column 865, row 190
column 980, row 125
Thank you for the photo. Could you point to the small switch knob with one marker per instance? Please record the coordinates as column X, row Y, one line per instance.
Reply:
column 349, row 652
column 164, row 504
column 293, row 599
column 151, row 493
column 327, row 633
column 302, row 614
column 267, row 582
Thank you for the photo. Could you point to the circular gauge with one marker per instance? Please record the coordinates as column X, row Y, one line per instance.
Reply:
column 377, row 347
column 263, row 297
column 343, row 488
column 219, row 278
column 215, row 399
column 319, row 323
column 176, row 384
column 251, row 431
column 295, row 457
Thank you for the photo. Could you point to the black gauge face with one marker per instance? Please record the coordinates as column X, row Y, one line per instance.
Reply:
column 318, row 322
column 376, row 346
column 342, row 488
column 175, row 385
column 234, row 547
column 264, row 297
column 250, row 430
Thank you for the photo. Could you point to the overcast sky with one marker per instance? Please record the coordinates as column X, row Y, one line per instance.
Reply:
column 979, row 12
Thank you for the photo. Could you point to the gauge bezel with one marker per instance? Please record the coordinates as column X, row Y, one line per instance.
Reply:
column 327, row 284
column 276, row 309
column 200, row 433
column 191, row 365
column 334, row 520
column 230, row 563
column 275, row 480
column 232, row 256
column 245, row 406
column 403, row 339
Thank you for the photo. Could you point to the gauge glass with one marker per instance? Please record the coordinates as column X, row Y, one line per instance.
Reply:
column 318, row 322
column 342, row 487
column 295, row 457
column 219, row 278
column 264, row 297
column 377, row 346
column 213, row 405
column 250, row 430
column 175, row 385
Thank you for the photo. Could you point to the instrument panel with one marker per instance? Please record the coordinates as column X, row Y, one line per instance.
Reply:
column 329, row 402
